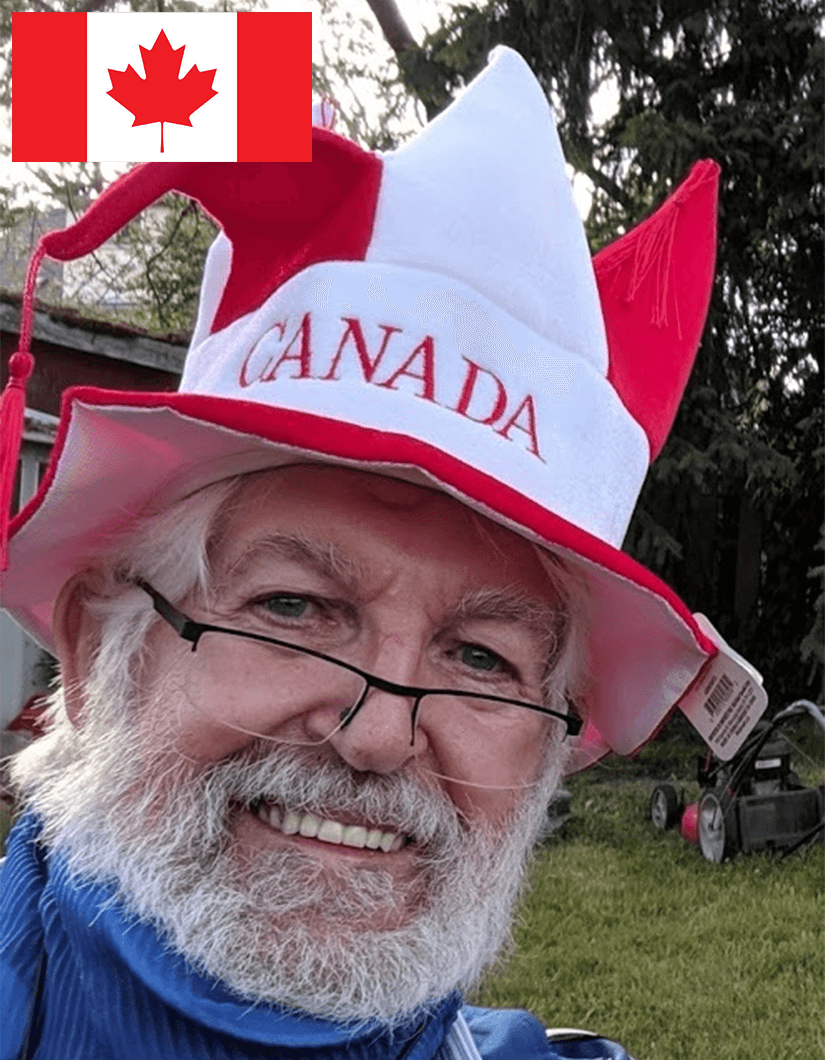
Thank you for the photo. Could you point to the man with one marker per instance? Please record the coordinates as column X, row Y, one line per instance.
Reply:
column 330, row 619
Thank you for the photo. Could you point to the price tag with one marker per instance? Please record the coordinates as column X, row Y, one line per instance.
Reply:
column 727, row 700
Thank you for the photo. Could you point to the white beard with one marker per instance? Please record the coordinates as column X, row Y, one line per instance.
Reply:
column 286, row 928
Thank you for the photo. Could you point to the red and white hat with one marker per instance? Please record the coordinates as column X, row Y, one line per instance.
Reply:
column 431, row 314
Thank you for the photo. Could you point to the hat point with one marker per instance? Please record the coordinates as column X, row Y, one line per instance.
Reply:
column 654, row 285
column 461, row 323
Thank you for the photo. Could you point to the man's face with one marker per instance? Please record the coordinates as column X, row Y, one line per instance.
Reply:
column 406, row 584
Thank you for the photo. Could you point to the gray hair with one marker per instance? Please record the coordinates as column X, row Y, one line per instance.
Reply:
column 172, row 549
column 124, row 809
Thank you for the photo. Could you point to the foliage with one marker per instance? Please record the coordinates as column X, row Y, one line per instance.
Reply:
column 360, row 73
column 732, row 510
column 813, row 644
column 149, row 274
column 731, row 513
column 631, row 933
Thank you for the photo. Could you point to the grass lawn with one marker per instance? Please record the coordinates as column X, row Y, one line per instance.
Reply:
column 631, row 933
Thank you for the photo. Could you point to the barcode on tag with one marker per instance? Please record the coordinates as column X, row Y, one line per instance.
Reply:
column 727, row 700
column 720, row 694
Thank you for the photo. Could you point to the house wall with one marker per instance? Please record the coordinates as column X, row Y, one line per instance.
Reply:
column 68, row 351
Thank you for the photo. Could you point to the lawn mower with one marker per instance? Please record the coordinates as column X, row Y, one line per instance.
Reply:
column 753, row 802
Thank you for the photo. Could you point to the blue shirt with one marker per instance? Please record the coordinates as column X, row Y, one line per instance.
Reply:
column 82, row 980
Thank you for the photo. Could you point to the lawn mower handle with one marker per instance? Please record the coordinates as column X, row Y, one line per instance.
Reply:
column 801, row 706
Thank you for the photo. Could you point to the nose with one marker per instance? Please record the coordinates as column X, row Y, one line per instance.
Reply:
column 379, row 736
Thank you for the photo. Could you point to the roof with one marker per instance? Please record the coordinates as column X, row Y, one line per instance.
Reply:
column 72, row 328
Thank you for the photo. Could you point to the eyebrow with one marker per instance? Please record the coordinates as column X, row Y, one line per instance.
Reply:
column 511, row 604
column 491, row 603
column 321, row 556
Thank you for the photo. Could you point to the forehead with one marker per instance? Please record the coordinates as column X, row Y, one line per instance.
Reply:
column 365, row 523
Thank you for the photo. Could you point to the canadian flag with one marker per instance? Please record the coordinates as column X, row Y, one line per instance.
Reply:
column 205, row 87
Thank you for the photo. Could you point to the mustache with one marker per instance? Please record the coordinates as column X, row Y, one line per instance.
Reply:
column 317, row 781
column 282, row 927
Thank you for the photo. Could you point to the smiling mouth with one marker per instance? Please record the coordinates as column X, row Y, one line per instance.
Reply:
column 328, row 830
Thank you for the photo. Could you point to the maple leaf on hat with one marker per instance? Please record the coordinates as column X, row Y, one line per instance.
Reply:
column 162, row 95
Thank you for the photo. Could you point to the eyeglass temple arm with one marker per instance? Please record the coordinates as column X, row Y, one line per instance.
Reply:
column 183, row 626
column 192, row 631
column 571, row 719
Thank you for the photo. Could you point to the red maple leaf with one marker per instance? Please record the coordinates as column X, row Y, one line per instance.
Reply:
column 162, row 96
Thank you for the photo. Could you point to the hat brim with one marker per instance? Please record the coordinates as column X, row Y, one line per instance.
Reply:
column 119, row 454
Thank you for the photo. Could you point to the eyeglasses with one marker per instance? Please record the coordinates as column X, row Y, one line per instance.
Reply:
column 279, row 676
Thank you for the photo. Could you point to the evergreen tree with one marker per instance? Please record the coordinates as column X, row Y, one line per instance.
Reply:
column 732, row 511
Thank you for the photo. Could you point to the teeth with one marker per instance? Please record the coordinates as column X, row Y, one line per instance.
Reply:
column 331, row 832
column 291, row 824
column 309, row 825
column 354, row 836
column 328, row 831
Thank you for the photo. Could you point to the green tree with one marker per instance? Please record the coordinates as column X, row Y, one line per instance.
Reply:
column 731, row 514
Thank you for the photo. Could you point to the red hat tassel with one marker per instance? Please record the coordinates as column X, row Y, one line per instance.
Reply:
column 648, row 250
column 13, row 405
column 655, row 284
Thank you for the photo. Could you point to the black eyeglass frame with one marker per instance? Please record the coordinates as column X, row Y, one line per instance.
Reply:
column 190, row 630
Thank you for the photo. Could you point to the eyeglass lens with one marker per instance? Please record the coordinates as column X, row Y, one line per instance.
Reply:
column 288, row 696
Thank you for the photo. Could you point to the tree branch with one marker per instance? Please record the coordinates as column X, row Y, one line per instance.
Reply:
column 580, row 152
column 606, row 183
column 393, row 26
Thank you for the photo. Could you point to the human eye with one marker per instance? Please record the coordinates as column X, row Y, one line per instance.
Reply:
column 290, row 606
column 477, row 666
column 481, row 659
column 290, row 610
column 315, row 619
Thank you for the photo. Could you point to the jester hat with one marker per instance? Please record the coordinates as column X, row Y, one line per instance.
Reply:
column 431, row 314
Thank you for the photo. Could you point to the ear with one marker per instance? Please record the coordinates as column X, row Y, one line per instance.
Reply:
column 76, row 634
